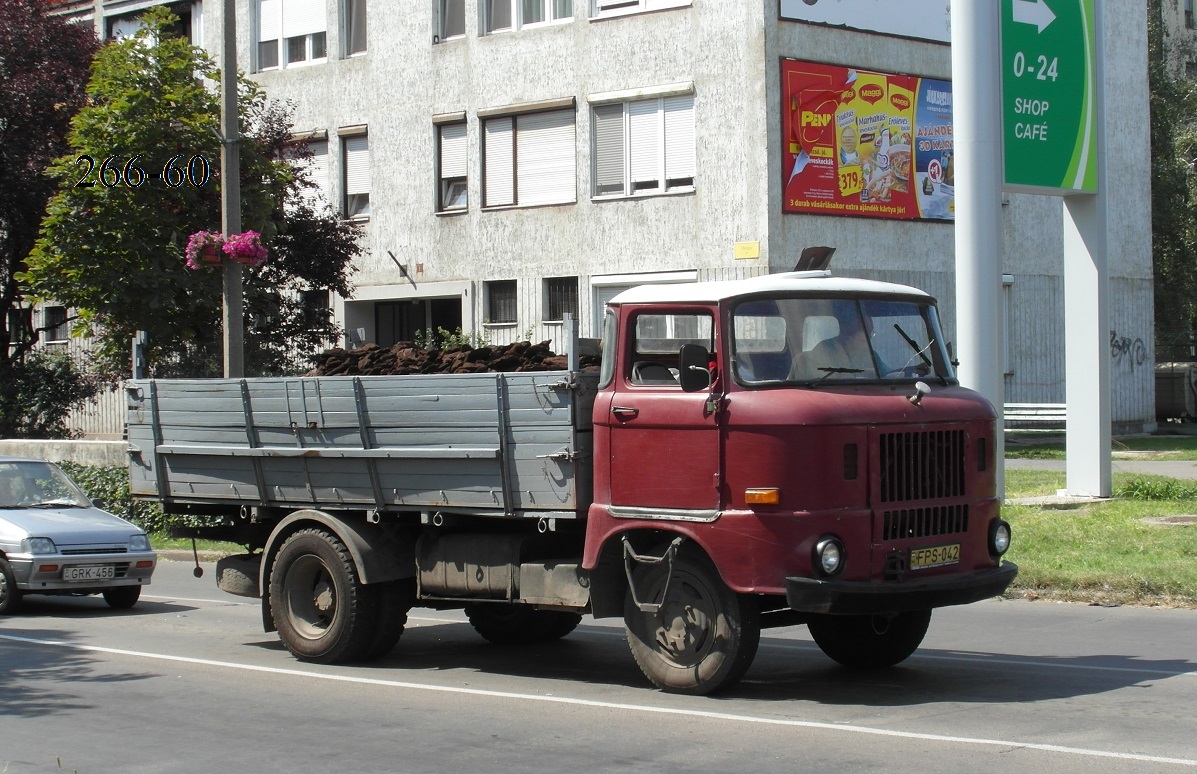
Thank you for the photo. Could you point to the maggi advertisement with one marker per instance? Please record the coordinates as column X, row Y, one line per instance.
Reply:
column 866, row 144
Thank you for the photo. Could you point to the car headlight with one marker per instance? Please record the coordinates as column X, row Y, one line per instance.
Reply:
column 38, row 545
column 829, row 556
column 139, row 543
column 999, row 537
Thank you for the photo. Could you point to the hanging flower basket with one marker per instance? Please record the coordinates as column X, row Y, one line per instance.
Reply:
column 246, row 248
column 204, row 250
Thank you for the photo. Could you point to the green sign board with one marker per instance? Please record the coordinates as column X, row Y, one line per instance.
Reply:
column 1049, row 96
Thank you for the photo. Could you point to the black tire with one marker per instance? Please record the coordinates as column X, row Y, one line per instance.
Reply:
column 122, row 597
column 507, row 624
column 395, row 599
column 10, row 595
column 322, row 612
column 704, row 636
column 870, row 641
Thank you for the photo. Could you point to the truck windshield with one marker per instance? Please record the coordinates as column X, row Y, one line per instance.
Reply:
column 815, row 340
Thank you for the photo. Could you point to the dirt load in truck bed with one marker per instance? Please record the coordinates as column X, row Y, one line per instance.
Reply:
column 406, row 358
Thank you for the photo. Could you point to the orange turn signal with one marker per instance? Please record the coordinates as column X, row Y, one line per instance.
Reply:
column 47, row 568
column 770, row 496
column 144, row 564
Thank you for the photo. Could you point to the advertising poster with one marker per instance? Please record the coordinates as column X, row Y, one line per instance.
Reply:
column 866, row 144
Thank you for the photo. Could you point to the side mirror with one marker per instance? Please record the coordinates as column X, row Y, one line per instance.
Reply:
column 693, row 371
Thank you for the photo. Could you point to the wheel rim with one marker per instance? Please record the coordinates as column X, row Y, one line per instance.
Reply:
column 311, row 597
column 683, row 630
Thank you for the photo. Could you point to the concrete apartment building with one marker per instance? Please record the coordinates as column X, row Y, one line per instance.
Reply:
column 515, row 160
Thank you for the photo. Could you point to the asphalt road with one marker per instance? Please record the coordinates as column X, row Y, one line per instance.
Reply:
column 188, row 681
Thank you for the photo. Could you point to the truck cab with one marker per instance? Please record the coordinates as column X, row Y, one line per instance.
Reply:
column 802, row 440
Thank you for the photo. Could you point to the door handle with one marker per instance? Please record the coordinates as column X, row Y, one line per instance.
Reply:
column 625, row 412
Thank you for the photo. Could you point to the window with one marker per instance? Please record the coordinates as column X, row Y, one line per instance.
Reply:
column 509, row 14
column 618, row 7
column 315, row 170
column 317, row 312
column 1189, row 23
column 356, row 165
column 530, row 159
column 54, row 324
column 452, row 19
column 290, row 33
column 500, row 301
column 354, row 19
column 561, row 298
column 644, row 146
column 452, row 141
column 20, row 325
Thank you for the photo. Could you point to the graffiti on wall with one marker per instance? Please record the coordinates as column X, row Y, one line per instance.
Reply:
column 1126, row 351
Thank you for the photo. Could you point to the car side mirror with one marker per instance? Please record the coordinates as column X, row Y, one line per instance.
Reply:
column 694, row 372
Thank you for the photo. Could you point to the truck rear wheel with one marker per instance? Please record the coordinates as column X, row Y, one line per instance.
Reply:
column 702, row 638
column 323, row 613
column 506, row 624
column 870, row 641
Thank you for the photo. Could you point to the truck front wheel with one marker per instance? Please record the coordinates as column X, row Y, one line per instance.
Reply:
column 323, row 613
column 702, row 636
column 869, row 641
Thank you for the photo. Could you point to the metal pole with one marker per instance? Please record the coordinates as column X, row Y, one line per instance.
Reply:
column 976, row 115
column 230, row 195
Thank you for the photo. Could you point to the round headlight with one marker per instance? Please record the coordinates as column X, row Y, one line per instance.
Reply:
column 999, row 537
column 829, row 556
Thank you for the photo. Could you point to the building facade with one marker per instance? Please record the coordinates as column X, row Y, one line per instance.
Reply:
column 514, row 161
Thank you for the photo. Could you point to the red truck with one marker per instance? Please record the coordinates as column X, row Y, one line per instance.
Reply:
column 788, row 449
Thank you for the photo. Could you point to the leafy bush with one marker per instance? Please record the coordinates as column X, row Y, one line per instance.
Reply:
column 38, row 393
column 112, row 486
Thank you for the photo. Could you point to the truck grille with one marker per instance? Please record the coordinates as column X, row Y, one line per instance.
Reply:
column 921, row 465
column 925, row 522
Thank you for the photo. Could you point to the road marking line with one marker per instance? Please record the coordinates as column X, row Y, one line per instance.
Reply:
column 645, row 708
column 613, row 632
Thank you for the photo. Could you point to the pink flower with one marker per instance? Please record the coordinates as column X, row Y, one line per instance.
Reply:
column 197, row 245
column 246, row 248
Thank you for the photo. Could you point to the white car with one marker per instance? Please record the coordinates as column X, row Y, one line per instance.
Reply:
column 54, row 540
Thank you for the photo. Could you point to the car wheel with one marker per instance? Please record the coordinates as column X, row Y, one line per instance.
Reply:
column 702, row 638
column 10, row 595
column 122, row 597
column 870, row 641
column 506, row 624
column 322, row 612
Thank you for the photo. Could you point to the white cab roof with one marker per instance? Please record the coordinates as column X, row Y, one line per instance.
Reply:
column 789, row 282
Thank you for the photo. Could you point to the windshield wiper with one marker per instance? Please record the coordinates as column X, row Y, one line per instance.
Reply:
column 921, row 353
column 56, row 504
column 829, row 370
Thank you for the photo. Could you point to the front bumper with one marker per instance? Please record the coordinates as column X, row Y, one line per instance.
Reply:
column 809, row 595
column 45, row 572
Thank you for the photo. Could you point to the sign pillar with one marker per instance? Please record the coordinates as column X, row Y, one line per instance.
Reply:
column 1053, row 131
column 978, row 151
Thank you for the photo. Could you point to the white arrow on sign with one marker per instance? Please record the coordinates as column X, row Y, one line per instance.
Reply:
column 1033, row 12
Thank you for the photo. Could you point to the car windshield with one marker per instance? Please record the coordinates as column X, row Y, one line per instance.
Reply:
column 37, row 484
column 817, row 340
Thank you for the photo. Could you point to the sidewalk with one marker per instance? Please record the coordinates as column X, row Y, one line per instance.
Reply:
column 1182, row 469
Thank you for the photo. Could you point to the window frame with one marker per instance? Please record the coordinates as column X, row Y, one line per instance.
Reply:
column 672, row 140
column 490, row 313
column 57, row 332
column 550, row 291
column 443, row 7
column 347, row 36
column 605, row 9
column 349, row 142
column 502, row 158
column 515, row 13
column 282, row 42
column 446, row 183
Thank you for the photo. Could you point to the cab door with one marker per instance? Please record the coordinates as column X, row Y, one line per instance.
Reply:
column 664, row 443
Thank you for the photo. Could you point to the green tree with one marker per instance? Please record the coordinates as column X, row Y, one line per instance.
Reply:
column 44, row 64
column 142, row 175
column 1173, row 105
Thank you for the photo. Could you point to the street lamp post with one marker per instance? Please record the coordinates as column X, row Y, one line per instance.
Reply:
column 230, row 196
